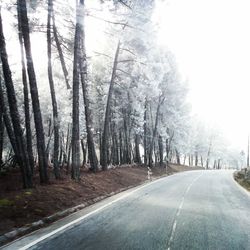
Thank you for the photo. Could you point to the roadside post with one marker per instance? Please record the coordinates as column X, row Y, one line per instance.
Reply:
column 149, row 174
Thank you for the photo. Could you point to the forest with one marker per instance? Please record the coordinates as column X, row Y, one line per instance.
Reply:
column 88, row 86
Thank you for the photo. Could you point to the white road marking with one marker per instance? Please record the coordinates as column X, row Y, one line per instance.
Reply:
column 179, row 211
column 85, row 216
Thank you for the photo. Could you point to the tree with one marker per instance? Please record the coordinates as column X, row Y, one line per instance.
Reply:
column 53, row 94
column 60, row 51
column 1, row 134
column 42, row 157
column 83, row 72
column 75, row 174
column 105, row 135
column 7, row 120
column 21, row 153
column 26, row 102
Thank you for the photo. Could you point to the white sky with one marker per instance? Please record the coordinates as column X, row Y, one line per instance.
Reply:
column 211, row 41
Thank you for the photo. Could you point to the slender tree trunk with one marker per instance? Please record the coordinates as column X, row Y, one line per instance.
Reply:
column 161, row 100
column 60, row 158
column 137, row 149
column 184, row 160
column 1, row 135
column 26, row 102
column 121, row 147
column 53, row 94
column 219, row 164
column 215, row 164
column 145, row 128
column 7, row 121
column 1, row 129
column 22, row 156
column 178, row 160
column 50, row 134
column 167, row 151
column 201, row 161
column 127, row 139
column 69, row 157
column 105, row 135
column 75, row 170
column 60, row 52
column 83, row 71
column 114, row 151
column 196, row 159
column 42, row 158
column 68, row 138
column 160, row 145
column 84, row 152
column 208, row 154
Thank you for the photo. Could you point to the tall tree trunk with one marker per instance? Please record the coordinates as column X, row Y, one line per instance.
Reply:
column 7, row 121
column 137, row 149
column 22, row 156
column 196, row 158
column 145, row 128
column 215, row 164
column 75, row 170
column 69, row 157
column 126, row 138
column 168, row 145
column 83, row 71
column 219, row 164
column 53, row 94
column 201, row 161
column 167, row 151
column 1, row 129
column 105, row 135
column 60, row 52
column 42, row 158
column 161, row 100
column 178, row 160
column 208, row 154
column 114, row 151
column 1, row 135
column 160, row 145
column 26, row 102
column 184, row 160
column 84, row 152
column 121, row 147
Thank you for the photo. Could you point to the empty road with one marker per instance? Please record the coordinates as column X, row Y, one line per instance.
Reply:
column 189, row 210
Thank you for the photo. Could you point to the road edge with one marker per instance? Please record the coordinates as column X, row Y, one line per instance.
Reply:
column 22, row 232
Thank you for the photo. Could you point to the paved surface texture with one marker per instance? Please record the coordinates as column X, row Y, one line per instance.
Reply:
column 189, row 210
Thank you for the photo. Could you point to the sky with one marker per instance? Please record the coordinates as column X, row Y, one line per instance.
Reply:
column 211, row 42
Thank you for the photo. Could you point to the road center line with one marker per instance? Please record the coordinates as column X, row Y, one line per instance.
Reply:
column 179, row 211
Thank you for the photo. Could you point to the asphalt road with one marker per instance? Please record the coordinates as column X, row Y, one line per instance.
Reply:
column 190, row 210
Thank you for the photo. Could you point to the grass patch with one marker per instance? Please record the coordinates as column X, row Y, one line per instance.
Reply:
column 28, row 193
column 6, row 203
column 239, row 176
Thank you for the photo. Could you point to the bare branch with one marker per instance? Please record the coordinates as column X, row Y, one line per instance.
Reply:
column 102, row 54
column 128, row 51
column 124, row 72
column 123, row 3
